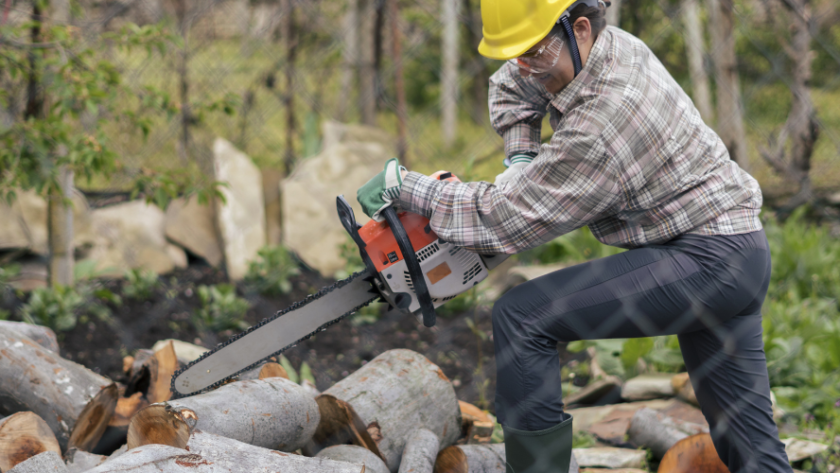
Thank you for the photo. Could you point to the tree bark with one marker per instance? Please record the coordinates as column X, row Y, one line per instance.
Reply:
column 182, row 14
column 78, row 461
column 420, row 452
column 271, row 413
column 449, row 71
column 367, row 82
column 289, row 34
column 395, row 394
column 339, row 424
column 22, row 436
column 399, row 85
column 648, row 430
column 355, row 455
column 694, row 44
column 60, row 230
column 39, row 334
column 47, row 462
column 350, row 58
column 478, row 68
column 156, row 459
column 74, row 401
column 730, row 115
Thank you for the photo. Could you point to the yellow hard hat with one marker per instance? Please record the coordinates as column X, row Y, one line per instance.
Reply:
column 511, row 27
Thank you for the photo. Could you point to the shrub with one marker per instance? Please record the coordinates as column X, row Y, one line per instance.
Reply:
column 271, row 272
column 56, row 307
column 221, row 309
column 140, row 284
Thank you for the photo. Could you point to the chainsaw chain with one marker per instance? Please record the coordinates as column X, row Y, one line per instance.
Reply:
column 297, row 305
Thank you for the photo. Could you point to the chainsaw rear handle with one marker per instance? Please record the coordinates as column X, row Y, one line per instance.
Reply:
column 414, row 271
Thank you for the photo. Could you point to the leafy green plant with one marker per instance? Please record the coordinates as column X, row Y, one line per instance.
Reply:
column 272, row 271
column 7, row 273
column 140, row 284
column 574, row 247
column 349, row 252
column 61, row 307
column 221, row 309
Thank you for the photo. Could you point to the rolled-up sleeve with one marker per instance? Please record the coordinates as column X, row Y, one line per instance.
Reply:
column 571, row 183
column 517, row 107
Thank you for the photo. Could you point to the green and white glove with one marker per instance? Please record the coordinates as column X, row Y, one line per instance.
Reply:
column 382, row 191
column 518, row 162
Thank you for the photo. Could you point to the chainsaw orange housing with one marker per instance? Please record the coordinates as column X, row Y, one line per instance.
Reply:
column 381, row 245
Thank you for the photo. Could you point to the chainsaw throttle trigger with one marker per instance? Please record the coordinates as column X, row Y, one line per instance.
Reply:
column 413, row 266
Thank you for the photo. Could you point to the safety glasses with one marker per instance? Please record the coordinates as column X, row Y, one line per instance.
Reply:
column 540, row 60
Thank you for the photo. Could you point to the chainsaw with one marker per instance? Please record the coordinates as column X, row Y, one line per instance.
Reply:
column 406, row 266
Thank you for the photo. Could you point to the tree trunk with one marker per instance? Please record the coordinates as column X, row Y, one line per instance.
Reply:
column 289, row 34
column 395, row 394
column 367, row 81
column 355, row 455
column 614, row 13
column 60, row 391
column 694, row 45
column 378, row 29
column 402, row 108
column 271, row 413
column 79, row 461
column 60, row 230
column 420, row 452
column 350, row 58
column 449, row 71
column 182, row 13
column 47, row 462
column 730, row 117
column 801, row 127
column 22, row 436
column 39, row 334
column 60, row 11
column 478, row 68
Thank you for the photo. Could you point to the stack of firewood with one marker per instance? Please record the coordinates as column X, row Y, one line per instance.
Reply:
column 398, row 412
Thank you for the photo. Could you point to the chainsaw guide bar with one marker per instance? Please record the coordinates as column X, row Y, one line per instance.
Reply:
column 356, row 290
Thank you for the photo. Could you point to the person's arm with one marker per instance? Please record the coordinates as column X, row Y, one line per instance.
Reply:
column 570, row 184
column 517, row 107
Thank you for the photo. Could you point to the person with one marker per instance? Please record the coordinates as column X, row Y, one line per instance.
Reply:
column 631, row 158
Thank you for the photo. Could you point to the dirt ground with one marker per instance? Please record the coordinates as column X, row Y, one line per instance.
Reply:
column 460, row 352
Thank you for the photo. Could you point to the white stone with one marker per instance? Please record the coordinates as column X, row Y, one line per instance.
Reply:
column 310, row 223
column 648, row 386
column 241, row 220
column 610, row 457
column 798, row 449
column 25, row 222
column 192, row 226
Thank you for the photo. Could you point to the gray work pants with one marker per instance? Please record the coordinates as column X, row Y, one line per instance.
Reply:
column 706, row 289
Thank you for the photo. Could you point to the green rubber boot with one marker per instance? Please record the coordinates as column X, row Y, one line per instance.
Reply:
column 540, row 451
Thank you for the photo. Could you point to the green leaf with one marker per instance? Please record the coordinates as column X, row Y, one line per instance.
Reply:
column 634, row 349
column 290, row 370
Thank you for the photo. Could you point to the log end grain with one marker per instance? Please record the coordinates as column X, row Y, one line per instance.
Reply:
column 22, row 436
column 94, row 419
column 126, row 408
column 161, row 374
column 158, row 424
column 339, row 425
column 272, row 370
column 451, row 460
column 691, row 454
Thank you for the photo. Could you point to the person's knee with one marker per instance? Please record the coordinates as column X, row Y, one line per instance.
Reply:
column 507, row 316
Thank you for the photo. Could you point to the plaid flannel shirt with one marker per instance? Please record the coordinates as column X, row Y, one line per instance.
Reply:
column 630, row 157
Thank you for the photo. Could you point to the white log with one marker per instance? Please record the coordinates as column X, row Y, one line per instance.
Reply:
column 354, row 455
column 420, row 452
column 155, row 458
column 647, row 429
column 39, row 334
column 35, row 379
column 272, row 413
column 22, row 436
column 46, row 462
column 395, row 394
column 233, row 456
column 78, row 461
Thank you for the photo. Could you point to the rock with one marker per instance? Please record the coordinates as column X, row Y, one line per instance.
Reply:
column 610, row 457
column 610, row 423
column 184, row 351
column 127, row 236
column 798, row 449
column 177, row 254
column 192, row 226
column 241, row 219
column 351, row 155
column 648, row 386
column 32, row 275
column 25, row 222
column 653, row 430
column 684, row 389
column 594, row 391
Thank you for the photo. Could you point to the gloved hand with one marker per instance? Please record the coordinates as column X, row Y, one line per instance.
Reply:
column 381, row 191
column 517, row 164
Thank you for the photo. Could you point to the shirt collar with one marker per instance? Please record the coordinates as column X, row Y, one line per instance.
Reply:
column 595, row 65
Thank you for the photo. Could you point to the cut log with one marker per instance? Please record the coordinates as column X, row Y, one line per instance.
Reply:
column 22, row 436
column 611, row 457
column 78, row 461
column 162, row 425
column 156, row 459
column 160, row 379
column 46, row 462
column 35, row 379
column 267, row 370
column 420, row 452
column 272, row 413
column 691, row 454
column 473, row 459
column 648, row 386
column 310, row 387
column 186, row 352
column 139, row 374
column 41, row 335
column 395, row 394
column 355, row 455
column 340, row 424
column 648, row 430
column 126, row 408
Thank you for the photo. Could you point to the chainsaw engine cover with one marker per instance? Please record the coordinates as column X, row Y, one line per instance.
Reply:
column 448, row 270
